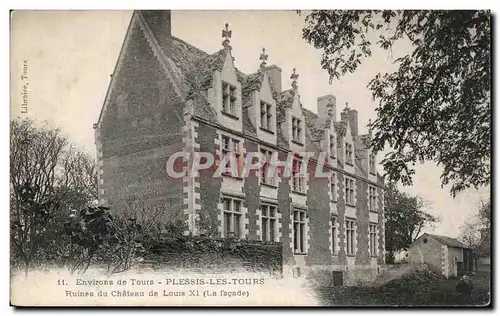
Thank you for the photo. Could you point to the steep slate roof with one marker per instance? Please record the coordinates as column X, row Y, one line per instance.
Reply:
column 195, row 67
column 248, row 127
column 285, row 98
column 316, row 125
column 250, row 83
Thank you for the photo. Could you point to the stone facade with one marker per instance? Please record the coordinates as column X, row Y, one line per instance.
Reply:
column 167, row 96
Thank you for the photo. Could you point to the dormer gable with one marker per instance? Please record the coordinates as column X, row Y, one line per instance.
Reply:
column 224, row 90
column 347, row 149
column 297, row 126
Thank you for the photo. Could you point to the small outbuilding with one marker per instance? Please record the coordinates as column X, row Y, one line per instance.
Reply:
column 444, row 255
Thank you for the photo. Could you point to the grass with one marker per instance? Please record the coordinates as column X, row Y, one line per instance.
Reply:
column 408, row 291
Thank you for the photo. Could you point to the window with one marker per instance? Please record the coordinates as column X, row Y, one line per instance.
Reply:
column 229, row 99
column 373, row 239
column 264, row 178
column 230, row 145
column 348, row 153
column 298, row 180
column 334, row 235
column 372, row 198
column 349, row 191
column 299, row 231
column 350, row 226
column 296, row 129
column 372, row 163
column 269, row 220
column 232, row 217
column 332, row 146
column 333, row 186
column 266, row 116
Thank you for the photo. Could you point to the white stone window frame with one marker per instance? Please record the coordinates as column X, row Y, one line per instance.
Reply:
column 238, row 152
column 229, row 96
column 269, row 181
column 372, row 198
column 301, row 247
column 297, row 129
column 233, row 212
column 297, row 178
column 332, row 143
column 372, row 164
column 266, row 215
column 267, row 114
column 333, row 186
column 334, row 235
column 352, row 201
column 349, row 153
column 350, row 232
column 373, row 239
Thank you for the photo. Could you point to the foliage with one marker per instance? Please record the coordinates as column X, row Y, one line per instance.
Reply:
column 423, row 289
column 188, row 251
column 97, row 237
column 406, row 217
column 476, row 231
column 29, row 225
column 48, row 176
column 436, row 106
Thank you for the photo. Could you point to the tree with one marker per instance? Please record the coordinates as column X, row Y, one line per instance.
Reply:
column 48, row 177
column 476, row 231
column 437, row 105
column 406, row 218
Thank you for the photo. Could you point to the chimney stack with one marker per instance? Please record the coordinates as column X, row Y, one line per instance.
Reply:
column 350, row 115
column 159, row 23
column 353, row 121
column 327, row 107
column 274, row 73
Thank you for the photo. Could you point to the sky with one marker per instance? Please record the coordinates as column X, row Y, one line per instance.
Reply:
column 69, row 56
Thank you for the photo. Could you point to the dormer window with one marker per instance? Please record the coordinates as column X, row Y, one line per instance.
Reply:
column 229, row 99
column 296, row 130
column 332, row 146
column 372, row 164
column 266, row 116
column 348, row 153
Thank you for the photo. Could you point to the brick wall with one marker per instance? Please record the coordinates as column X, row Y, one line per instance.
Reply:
column 362, row 223
column 138, row 131
column 210, row 186
column 252, row 192
column 341, row 258
column 285, row 208
column 318, row 208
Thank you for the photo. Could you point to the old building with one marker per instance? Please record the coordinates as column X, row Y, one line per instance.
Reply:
column 166, row 96
column 444, row 255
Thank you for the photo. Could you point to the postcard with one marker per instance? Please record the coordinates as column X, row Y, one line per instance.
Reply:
column 250, row 158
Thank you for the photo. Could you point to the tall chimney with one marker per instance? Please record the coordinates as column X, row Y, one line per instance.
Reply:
column 327, row 107
column 159, row 23
column 353, row 121
column 274, row 73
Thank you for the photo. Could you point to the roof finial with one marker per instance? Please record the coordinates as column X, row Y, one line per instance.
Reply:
column 370, row 126
column 294, row 78
column 346, row 107
column 263, row 57
column 226, row 34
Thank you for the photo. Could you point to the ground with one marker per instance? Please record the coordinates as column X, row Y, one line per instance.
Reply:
column 422, row 289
